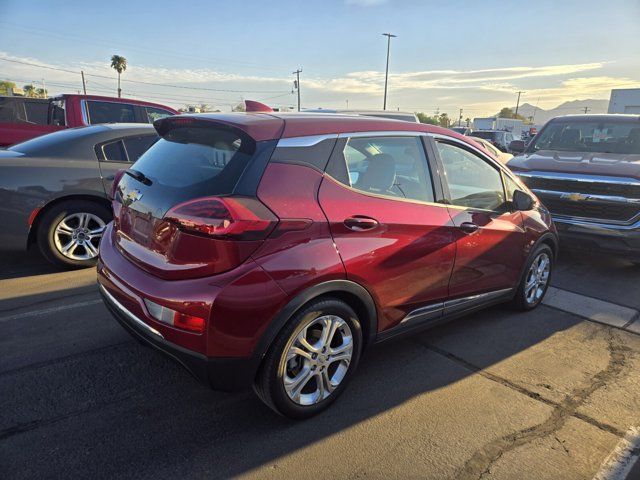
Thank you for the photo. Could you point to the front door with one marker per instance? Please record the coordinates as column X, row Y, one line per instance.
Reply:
column 378, row 196
column 489, row 236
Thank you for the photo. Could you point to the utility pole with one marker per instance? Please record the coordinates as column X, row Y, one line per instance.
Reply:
column 44, row 89
column 460, row 118
column 84, row 85
column 386, row 73
column 297, row 74
column 586, row 109
column 347, row 104
column 518, row 103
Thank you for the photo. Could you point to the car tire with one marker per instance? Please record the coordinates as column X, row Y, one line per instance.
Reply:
column 320, row 380
column 79, row 221
column 536, row 279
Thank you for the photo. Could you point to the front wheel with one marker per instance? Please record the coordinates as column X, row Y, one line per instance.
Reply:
column 535, row 282
column 312, row 359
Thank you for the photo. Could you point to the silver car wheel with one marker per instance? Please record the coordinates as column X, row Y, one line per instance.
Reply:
column 77, row 236
column 537, row 278
column 317, row 359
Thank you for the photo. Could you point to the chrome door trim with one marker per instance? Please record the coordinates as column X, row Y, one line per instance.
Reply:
column 128, row 314
column 304, row 141
column 424, row 313
column 464, row 303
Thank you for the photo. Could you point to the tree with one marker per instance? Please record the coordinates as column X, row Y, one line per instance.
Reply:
column 119, row 64
column 444, row 120
column 506, row 112
column 6, row 88
column 42, row 93
column 424, row 118
column 30, row 91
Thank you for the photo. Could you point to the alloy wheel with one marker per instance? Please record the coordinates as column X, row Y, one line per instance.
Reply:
column 77, row 236
column 537, row 278
column 317, row 359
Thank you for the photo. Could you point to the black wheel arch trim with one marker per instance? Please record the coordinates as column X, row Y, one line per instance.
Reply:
column 544, row 238
column 301, row 299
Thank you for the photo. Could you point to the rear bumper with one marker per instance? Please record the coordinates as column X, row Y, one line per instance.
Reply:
column 602, row 237
column 219, row 373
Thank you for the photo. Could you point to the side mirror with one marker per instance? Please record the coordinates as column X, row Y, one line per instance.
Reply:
column 517, row 146
column 522, row 201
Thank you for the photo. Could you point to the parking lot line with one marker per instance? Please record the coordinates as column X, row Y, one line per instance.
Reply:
column 590, row 308
column 50, row 310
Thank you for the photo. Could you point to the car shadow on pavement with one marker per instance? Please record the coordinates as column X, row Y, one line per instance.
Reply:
column 126, row 411
column 24, row 263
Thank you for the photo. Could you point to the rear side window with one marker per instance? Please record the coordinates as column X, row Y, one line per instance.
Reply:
column 154, row 114
column 390, row 166
column 110, row 112
column 136, row 146
column 197, row 161
column 114, row 151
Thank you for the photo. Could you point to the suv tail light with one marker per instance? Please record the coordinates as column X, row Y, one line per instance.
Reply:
column 237, row 218
column 116, row 179
column 174, row 318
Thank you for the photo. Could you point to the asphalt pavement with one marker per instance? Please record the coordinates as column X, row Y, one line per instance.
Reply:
column 499, row 394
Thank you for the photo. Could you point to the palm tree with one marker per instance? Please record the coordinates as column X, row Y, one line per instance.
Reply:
column 119, row 64
column 30, row 91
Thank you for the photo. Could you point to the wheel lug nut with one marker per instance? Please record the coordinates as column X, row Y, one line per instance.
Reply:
column 314, row 356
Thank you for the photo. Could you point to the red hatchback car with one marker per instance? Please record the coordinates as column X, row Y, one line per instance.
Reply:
column 272, row 249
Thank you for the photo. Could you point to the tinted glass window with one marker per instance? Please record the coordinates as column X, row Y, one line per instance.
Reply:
column 196, row 161
column 154, row 114
column 511, row 186
column 11, row 110
column 136, row 146
column 37, row 112
column 108, row 112
column 602, row 137
column 472, row 182
column 392, row 166
column 114, row 151
column 486, row 135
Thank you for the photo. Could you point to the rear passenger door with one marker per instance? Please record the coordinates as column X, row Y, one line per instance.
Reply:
column 379, row 198
column 489, row 235
column 121, row 153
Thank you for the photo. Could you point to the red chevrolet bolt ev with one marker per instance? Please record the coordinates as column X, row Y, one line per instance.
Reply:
column 272, row 249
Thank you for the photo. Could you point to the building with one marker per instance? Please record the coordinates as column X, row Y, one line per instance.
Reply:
column 625, row 100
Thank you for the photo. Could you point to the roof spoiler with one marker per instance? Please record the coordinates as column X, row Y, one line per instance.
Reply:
column 253, row 106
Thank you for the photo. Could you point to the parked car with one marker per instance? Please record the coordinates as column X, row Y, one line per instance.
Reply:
column 500, row 139
column 502, row 156
column 586, row 170
column 390, row 114
column 53, row 189
column 273, row 249
column 23, row 118
column 462, row 130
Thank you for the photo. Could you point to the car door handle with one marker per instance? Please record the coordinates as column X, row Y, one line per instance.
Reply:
column 110, row 177
column 359, row 224
column 469, row 227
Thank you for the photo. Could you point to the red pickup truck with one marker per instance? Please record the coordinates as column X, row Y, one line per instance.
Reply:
column 23, row 118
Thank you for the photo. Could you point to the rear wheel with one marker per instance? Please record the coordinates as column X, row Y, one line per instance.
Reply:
column 69, row 233
column 312, row 359
column 535, row 281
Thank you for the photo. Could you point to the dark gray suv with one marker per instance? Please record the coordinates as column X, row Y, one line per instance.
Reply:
column 53, row 189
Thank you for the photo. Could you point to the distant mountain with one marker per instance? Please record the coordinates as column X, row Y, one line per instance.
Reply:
column 541, row 116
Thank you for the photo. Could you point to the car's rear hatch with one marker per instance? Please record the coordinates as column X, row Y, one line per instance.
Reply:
column 179, row 211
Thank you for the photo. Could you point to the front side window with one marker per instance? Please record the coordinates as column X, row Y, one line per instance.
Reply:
column 472, row 182
column 390, row 166
column 621, row 137
column 110, row 112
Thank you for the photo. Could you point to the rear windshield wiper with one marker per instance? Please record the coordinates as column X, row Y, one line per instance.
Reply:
column 139, row 176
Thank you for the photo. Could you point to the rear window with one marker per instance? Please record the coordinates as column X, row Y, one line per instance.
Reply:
column 197, row 161
column 621, row 137
column 110, row 112
column 485, row 135
column 23, row 110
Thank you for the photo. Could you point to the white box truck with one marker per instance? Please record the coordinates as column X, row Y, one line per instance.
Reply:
column 625, row 100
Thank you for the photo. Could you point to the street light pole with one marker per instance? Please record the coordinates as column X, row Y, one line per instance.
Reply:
column 386, row 74
column 297, row 74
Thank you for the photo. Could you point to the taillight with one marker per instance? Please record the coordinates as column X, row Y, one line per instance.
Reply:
column 116, row 179
column 174, row 318
column 238, row 218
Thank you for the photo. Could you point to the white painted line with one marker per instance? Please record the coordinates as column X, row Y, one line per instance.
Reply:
column 589, row 307
column 50, row 310
column 622, row 459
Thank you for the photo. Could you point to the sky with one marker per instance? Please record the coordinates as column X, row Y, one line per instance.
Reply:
column 448, row 55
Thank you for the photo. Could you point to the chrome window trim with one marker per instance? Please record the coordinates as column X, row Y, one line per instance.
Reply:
column 126, row 312
column 85, row 112
column 580, row 177
column 304, row 141
column 383, row 133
